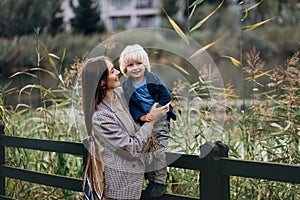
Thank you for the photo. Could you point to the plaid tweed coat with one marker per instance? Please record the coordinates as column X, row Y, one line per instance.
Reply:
column 123, row 141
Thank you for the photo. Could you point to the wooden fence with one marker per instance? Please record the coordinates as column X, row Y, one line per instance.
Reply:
column 213, row 163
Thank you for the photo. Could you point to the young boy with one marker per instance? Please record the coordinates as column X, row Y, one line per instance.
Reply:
column 142, row 89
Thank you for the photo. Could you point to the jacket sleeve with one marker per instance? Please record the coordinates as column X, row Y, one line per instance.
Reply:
column 164, row 92
column 165, row 97
column 135, row 112
column 134, row 109
column 160, row 92
column 109, row 132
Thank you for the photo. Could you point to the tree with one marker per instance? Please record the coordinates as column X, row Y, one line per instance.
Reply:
column 56, row 20
column 21, row 17
column 87, row 18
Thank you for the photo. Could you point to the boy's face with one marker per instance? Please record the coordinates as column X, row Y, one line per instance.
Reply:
column 135, row 69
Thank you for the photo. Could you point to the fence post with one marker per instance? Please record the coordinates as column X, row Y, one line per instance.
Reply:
column 2, row 162
column 213, row 184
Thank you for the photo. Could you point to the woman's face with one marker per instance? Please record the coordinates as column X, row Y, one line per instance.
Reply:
column 113, row 76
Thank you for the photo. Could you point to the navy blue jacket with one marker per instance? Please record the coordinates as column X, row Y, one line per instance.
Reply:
column 157, row 89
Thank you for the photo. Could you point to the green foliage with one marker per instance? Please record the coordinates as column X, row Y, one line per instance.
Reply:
column 18, row 53
column 87, row 18
column 57, row 116
column 45, row 162
column 20, row 17
column 285, row 11
column 169, row 7
column 264, row 127
column 56, row 21
column 182, row 181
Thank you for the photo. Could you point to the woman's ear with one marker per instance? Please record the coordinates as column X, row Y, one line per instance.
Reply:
column 102, row 83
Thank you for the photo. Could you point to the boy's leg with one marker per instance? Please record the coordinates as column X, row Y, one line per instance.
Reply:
column 162, row 133
column 160, row 174
column 149, row 175
column 160, row 163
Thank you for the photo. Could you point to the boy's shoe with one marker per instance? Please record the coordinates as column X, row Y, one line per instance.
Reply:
column 149, row 188
column 158, row 190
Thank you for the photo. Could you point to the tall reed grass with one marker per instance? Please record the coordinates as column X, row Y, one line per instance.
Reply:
column 57, row 116
column 265, row 127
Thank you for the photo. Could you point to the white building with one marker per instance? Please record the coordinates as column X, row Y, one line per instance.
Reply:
column 67, row 13
column 120, row 14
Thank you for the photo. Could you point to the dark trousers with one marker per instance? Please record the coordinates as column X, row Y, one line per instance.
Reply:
column 156, row 171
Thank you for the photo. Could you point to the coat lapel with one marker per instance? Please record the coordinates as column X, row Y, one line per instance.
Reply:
column 124, row 122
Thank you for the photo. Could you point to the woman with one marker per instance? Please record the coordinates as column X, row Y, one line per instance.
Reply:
column 106, row 112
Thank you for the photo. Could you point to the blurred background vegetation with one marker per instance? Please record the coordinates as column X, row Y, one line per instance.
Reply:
column 18, row 19
column 40, row 64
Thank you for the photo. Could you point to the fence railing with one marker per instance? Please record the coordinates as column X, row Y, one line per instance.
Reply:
column 213, row 163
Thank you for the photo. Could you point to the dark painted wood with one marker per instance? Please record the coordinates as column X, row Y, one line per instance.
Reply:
column 213, row 163
column 2, row 162
column 42, row 178
column 261, row 170
column 43, row 145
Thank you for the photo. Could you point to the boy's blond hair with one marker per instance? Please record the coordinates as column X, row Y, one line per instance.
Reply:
column 133, row 53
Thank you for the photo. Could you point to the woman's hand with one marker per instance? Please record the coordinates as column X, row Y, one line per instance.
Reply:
column 157, row 112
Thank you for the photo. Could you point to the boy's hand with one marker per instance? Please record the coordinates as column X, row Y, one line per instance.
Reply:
column 168, row 106
column 146, row 118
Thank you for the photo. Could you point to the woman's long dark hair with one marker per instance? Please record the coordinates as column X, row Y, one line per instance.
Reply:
column 101, row 88
column 94, row 73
